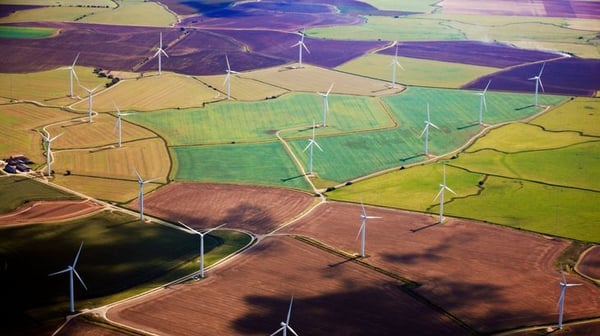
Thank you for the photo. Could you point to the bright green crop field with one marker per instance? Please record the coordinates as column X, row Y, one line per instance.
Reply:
column 25, row 32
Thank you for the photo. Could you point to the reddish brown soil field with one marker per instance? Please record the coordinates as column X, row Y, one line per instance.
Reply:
column 250, row 296
column 81, row 327
column 49, row 211
column 590, row 263
column 253, row 208
column 491, row 277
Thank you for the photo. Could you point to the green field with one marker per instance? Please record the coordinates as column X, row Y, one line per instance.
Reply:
column 25, row 32
column 16, row 191
column 110, row 262
column 410, row 6
column 264, row 164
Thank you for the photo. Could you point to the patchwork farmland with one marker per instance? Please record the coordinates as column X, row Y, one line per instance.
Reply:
column 455, row 143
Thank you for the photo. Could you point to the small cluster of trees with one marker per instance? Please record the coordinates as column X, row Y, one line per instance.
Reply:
column 103, row 74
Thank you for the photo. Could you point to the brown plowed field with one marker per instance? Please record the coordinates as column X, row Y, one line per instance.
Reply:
column 49, row 211
column 253, row 208
column 590, row 263
column 250, row 296
column 80, row 327
column 491, row 277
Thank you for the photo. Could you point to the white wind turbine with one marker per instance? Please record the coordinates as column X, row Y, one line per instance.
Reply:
column 363, row 229
column 301, row 45
column 311, row 143
column 228, row 77
column 482, row 103
column 118, row 124
column 48, row 141
column 90, row 96
column 141, row 183
column 440, row 194
column 538, row 83
column 426, row 131
column 159, row 53
column 71, row 269
column 285, row 326
column 201, row 234
column 561, row 300
column 395, row 63
column 71, row 74
column 325, row 104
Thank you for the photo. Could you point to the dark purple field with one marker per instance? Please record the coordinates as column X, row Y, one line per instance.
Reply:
column 569, row 76
column 489, row 54
column 6, row 10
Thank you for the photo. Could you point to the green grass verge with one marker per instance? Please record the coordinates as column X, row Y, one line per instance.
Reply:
column 111, row 262
column 16, row 191
column 25, row 32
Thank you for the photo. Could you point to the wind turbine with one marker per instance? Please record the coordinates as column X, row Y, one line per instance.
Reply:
column 71, row 74
column 426, row 131
column 285, row 326
column 561, row 300
column 71, row 269
column 90, row 95
column 192, row 231
column 440, row 194
column 311, row 143
column 141, row 183
column 159, row 53
column 325, row 104
column 48, row 141
column 482, row 103
column 395, row 64
column 538, row 83
column 301, row 45
column 228, row 77
column 363, row 228
column 118, row 125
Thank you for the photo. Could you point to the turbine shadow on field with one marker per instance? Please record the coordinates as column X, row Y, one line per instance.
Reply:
column 291, row 178
column 473, row 124
column 408, row 158
column 427, row 226
column 524, row 107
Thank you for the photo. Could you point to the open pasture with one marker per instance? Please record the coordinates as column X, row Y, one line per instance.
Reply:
column 419, row 72
column 257, row 209
column 544, row 8
column 18, row 128
column 459, row 263
column 331, row 296
column 567, row 76
column 263, row 164
column 16, row 191
column 105, row 188
column 242, row 88
column 488, row 54
column 579, row 115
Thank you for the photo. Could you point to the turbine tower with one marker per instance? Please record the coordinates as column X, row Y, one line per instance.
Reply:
column 538, row 83
column 363, row 229
column 301, row 45
column 90, row 96
column 311, row 143
column 561, row 300
column 141, row 183
column 118, row 125
column 71, row 269
column 285, row 326
column 440, row 194
column 325, row 104
column 482, row 103
column 48, row 141
column 159, row 52
column 71, row 74
column 395, row 64
column 201, row 234
column 426, row 131
column 228, row 77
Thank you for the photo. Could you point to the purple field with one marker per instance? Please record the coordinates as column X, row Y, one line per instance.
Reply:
column 541, row 8
column 6, row 10
column 489, row 54
column 568, row 76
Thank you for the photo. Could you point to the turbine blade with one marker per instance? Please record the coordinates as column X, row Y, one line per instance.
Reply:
column 373, row 217
column 295, row 45
column 305, row 47
column 561, row 298
column 77, row 256
column 227, row 60
column 277, row 331
column 317, row 144
column 292, row 330
column 542, row 69
column 362, row 227
column 310, row 142
column 574, row 284
column 50, row 140
column 450, row 190
column 80, row 280
column 164, row 52
column 116, row 108
column 226, row 78
column 215, row 228
column 486, row 87
column 432, row 124
column 75, row 74
column 75, row 61
column 438, row 194
column 188, row 228
column 151, row 180
column 424, row 130
column 564, row 280
column 289, row 314
column 59, row 272
column 330, row 87
column 484, row 104
column 157, row 52
column 138, row 175
column 541, row 85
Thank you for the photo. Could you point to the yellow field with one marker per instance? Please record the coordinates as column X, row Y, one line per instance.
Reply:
column 152, row 93
column 315, row 79
column 48, row 87
column 416, row 71
column 50, row 14
column 150, row 157
column 114, row 190
column 18, row 124
column 79, row 133
column 242, row 87
column 134, row 12
column 62, row 3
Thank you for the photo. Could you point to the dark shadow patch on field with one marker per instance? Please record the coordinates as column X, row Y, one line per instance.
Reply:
column 524, row 107
column 412, row 157
column 473, row 124
column 426, row 226
column 291, row 178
